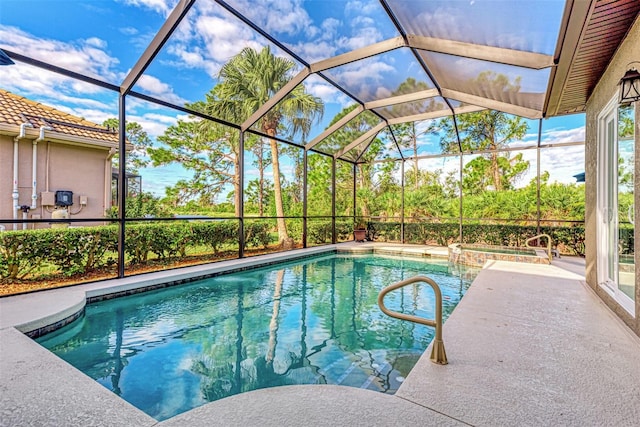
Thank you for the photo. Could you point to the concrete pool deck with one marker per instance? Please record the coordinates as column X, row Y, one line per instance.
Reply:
column 528, row 345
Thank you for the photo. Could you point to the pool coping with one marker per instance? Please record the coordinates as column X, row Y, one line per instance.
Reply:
column 512, row 381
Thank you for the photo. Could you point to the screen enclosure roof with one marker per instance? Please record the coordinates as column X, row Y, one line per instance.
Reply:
column 385, row 63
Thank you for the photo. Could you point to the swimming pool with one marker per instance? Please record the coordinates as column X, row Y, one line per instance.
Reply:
column 314, row 321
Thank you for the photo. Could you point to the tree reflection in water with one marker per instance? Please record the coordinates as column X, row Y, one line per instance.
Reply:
column 316, row 322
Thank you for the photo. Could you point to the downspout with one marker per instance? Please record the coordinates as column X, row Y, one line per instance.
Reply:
column 15, row 194
column 34, row 168
column 107, row 179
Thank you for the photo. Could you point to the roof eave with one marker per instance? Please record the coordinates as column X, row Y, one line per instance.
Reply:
column 574, row 23
column 60, row 138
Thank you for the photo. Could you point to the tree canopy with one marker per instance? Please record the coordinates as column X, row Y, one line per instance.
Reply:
column 139, row 140
column 487, row 131
column 490, row 178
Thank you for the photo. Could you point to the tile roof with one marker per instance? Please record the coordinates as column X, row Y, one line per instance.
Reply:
column 15, row 110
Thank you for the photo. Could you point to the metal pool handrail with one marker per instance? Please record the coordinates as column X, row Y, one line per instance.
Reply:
column 526, row 243
column 438, row 355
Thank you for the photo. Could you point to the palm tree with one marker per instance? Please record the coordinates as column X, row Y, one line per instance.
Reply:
column 246, row 83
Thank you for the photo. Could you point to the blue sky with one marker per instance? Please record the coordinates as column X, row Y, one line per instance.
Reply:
column 104, row 38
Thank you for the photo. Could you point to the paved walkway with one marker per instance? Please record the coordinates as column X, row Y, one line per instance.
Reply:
column 528, row 345
column 532, row 345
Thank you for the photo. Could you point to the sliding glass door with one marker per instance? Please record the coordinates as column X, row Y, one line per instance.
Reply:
column 626, row 158
column 616, row 268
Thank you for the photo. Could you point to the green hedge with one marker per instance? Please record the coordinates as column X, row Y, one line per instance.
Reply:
column 569, row 240
column 320, row 231
column 72, row 250
column 81, row 250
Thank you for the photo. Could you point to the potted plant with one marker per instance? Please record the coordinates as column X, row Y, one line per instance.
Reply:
column 360, row 231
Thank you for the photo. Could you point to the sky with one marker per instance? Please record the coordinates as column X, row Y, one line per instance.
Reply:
column 105, row 38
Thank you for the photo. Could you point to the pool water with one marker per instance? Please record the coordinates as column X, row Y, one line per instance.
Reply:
column 315, row 321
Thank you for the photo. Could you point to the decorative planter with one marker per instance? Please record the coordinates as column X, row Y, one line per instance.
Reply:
column 359, row 235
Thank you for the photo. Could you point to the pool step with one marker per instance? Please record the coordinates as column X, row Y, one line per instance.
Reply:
column 341, row 372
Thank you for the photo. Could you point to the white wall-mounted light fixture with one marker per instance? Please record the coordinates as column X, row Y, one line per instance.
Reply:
column 630, row 85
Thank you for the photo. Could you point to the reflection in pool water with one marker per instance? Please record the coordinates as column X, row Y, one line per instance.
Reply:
column 312, row 322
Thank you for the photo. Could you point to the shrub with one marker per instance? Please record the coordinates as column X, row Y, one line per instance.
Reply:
column 81, row 250
column 319, row 232
column 568, row 240
column 257, row 234
column 344, row 230
column 215, row 234
column 22, row 252
column 294, row 228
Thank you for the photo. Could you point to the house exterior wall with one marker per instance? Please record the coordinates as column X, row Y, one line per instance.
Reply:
column 70, row 167
column 606, row 88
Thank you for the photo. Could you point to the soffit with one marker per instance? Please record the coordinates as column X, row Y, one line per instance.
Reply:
column 587, row 50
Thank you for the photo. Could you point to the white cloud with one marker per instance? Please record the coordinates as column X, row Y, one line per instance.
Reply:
column 153, row 123
column 88, row 56
column 382, row 92
column 316, row 50
column 161, row 6
column 128, row 31
column 159, row 89
column 562, row 162
column 329, row 94
column 362, row 21
column 191, row 59
column 62, row 93
column 187, row 57
column 442, row 22
column 96, row 42
column 312, row 31
column 223, row 38
column 141, row 41
column 163, row 118
column 54, row 89
column 361, row 38
column 206, row 40
column 89, row 103
column 364, row 77
column 276, row 16
column 97, row 116
column 555, row 136
column 322, row 90
column 330, row 28
column 445, row 164
column 362, row 7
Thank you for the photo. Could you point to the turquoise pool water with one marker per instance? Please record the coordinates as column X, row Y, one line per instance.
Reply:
column 315, row 321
